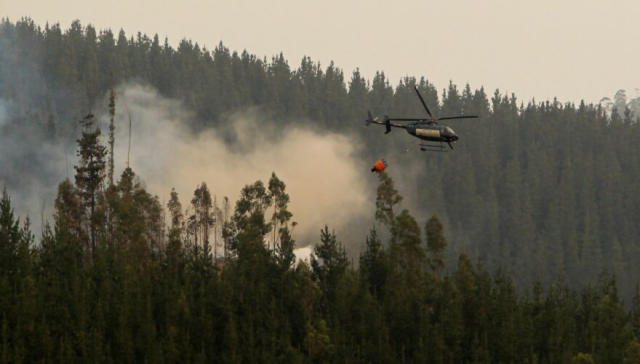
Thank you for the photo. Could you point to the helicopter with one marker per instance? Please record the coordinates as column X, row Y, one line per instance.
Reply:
column 426, row 129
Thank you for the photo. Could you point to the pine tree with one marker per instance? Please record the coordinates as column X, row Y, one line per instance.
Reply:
column 373, row 264
column 632, row 354
column 328, row 262
column 405, row 286
column 436, row 244
column 112, row 137
column 68, row 216
column 635, row 312
column 582, row 358
column 10, row 238
column 90, row 174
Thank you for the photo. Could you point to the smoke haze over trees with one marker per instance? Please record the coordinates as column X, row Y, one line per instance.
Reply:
column 544, row 194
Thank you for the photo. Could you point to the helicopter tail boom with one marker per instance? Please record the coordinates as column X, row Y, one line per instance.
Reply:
column 386, row 122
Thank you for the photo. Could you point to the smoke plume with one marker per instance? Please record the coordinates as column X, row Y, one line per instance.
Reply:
column 325, row 180
column 32, row 164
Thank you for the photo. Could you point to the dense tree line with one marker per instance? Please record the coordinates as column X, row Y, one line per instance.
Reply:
column 538, row 191
column 109, row 282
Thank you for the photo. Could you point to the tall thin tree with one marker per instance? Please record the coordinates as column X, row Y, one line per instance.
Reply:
column 112, row 129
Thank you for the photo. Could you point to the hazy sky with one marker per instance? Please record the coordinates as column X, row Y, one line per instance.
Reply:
column 570, row 49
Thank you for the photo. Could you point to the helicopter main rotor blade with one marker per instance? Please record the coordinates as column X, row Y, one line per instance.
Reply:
column 408, row 119
column 423, row 103
column 458, row 117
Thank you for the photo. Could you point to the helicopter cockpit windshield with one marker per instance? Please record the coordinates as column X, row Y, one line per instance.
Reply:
column 449, row 130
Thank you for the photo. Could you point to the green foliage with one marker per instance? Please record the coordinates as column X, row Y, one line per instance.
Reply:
column 583, row 359
column 632, row 355
column 386, row 198
column 10, row 236
column 373, row 264
column 89, row 178
column 202, row 218
column 536, row 188
column 329, row 262
column 318, row 343
column 534, row 192
column 436, row 243
column 141, row 300
column 175, row 210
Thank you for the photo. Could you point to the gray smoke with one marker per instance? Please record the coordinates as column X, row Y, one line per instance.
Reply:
column 325, row 180
column 32, row 163
column 327, row 183
column 32, row 155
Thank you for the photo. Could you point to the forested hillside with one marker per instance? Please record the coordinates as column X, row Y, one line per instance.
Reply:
column 539, row 189
column 544, row 196
column 106, row 284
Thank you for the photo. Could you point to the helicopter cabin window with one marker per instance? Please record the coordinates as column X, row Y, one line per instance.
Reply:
column 448, row 130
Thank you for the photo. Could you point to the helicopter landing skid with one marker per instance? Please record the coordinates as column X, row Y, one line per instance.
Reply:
column 433, row 148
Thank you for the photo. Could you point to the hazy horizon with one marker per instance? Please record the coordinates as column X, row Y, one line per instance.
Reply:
column 574, row 50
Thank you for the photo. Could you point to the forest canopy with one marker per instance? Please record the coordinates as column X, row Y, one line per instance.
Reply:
column 520, row 246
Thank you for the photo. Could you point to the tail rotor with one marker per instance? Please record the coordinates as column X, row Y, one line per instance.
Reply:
column 386, row 122
column 371, row 119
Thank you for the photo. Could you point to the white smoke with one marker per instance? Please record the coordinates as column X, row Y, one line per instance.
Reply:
column 326, row 182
